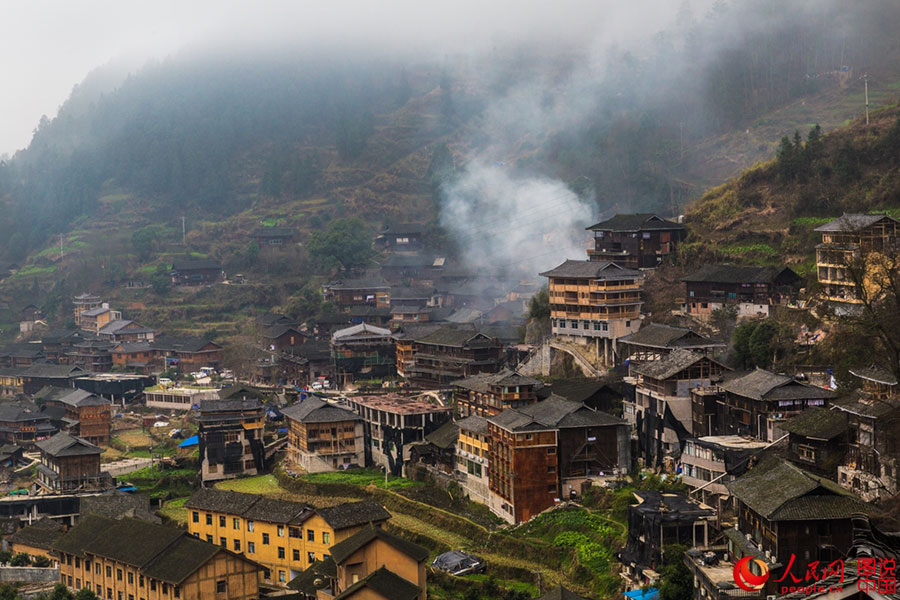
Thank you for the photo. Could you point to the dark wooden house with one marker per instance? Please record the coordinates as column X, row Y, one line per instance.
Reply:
column 401, row 237
column 70, row 464
column 196, row 272
column 489, row 394
column 637, row 241
column 751, row 290
column 231, row 437
column 273, row 236
column 449, row 353
column 817, row 440
column 85, row 414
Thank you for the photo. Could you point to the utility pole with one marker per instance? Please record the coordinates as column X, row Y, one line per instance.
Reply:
column 183, row 229
column 866, row 82
column 61, row 252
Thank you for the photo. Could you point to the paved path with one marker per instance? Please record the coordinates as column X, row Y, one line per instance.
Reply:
column 125, row 466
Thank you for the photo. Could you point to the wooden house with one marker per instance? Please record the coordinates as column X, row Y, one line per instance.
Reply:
column 635, row 241
column 751, row 290
column 196, row 272
column 70, row 464
column 323, row 437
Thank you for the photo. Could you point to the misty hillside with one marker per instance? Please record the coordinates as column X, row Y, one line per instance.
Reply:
column 297, row 137
column 771, row 209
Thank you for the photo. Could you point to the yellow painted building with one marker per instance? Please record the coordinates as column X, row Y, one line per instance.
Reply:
column 472, row 458
column 284, row 537
column 130, row 559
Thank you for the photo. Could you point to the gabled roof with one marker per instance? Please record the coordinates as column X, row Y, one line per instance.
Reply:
column 66, row 444
column 635, row 222
column 876, row 374
column 853, row 222
column 72, row 397
column 765, row 385
column 445, row 436
column 451, row 336
column 114, row 327
column 341, row 551
column 276, row 331
column 353, row 514
column 553, row 413
column 182, row 344
column 473, row 423
column 50, row 371
column 368, row 283
column 400, row 261
column 505, row 377
column 363, row 328
column 316, row 410
column 579, row 389
column 224, row 501
column 384, row 583
column 740, row 274
column 672, row 364
column 273, row 232
column 657, row 335
column 817, row 423
column 590, row 269
column 779, row 491
column 40, row 534
column 402, row 228
column 202, row 264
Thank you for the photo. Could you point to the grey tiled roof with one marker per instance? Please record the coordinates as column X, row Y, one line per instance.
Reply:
column 669, row 366
column 779, row 490
column 342, row 550
column 657, row 335
column 818, row 423
column 353, row 514
column 635, row 222
column 765, row 385
column 553, row 413
column 739, row 274
column 588, row 269
column 876, row 374
column 853, row 222
column 444, row 436
column 316, row 410
column 66, row 444
column 386, row 584
column 473, row 423
column 504, row 377
column 224, row 501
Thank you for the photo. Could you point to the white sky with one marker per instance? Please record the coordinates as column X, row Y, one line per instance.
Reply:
column 48, row 46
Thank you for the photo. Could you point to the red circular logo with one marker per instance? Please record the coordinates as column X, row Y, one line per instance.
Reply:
column 746, row 580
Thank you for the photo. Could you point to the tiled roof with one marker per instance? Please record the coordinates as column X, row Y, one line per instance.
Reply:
column 362, row 328
column 852, row 222
column 195, row 265
column 589, row 269
column 473, row 423
column 353, row 514
column 765, row 385
column 343, row 550
column 818, row 423
column 386, row 584
column 577, row 389
column 182, row 344
column 273, row 232
column 450, row 336
column 369, row 283
column 223, row 501
column 72, row 397
column 670, row 365
column 275, row 511
column 316, row 410
column 66, row 444
column 779, row 490
column 739, row 274
column 40, row 534
column 444, row 436
column 504, row 377
column 635, row 222
column 876, row 374
column 553, row 413
column 657, row 335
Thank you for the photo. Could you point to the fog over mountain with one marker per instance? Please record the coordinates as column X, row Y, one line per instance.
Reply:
column 551, row 116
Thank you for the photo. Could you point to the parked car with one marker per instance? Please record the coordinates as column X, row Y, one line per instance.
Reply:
column 457, row 562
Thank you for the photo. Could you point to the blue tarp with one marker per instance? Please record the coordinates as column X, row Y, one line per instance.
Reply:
column 191, row 441
column 650, row 594
column 283, row 430
column 128, row 488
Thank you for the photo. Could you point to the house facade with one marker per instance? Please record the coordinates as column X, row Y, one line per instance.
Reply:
column 230, row 438
column 594, row 304
column 70, row 464
column 489, row 394
column 323, row 436
column 752, row 291
column 635, row 241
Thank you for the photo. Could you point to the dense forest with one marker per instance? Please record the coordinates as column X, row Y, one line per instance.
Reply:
column 202, row 133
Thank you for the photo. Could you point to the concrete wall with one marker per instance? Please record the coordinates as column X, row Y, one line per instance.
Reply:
column 29, row 575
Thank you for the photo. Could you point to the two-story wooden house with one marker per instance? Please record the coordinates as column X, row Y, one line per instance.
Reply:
column 371, row 291
column 751, row 290
column 70, row 464
column 87, row 415
column 230, row 437
column 489, row 394
column 817, row 440
column 442, row 356
column 203, row 271
column 323, row 436
column 655, row 341
column 636, row 241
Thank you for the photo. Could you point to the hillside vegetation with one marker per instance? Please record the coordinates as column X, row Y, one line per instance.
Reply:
column 770, row 210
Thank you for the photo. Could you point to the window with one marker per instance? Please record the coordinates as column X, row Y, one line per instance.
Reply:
column 311, row 557
column 97, row 569
column 223, row 542
column 130, row 577
column 265, row 539
column 99, row 590
column 197, row 534
column 551, row 450
column 282, row 576
column 140, row 581
column 209, row 538
column 78, row 584
column 251, row 548
column 310, row 535
column 77, row 563
column 176, row 591
column 237, row 545
column 165, row 588
column 551, row 489
column 221, row 586
column 237, row 523
column 196, row 517
column 280, row 551
column 326, row 537
column 267, row 574
column 296, row 555
column 109, row 571
column 281, row 531
column 109, row 593
column 119, row 595
column 249, row 525
column 551, row 468
column 208, row 519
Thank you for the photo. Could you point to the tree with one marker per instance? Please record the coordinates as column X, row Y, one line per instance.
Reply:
column 145, row 241
column 8, row 592
column 41, row 561
column 345, row 242
column 251, row 254
column 61, row 592
column 85, row 593
column 20, row 560
column 539, row 305
column 761, row 344
column 740, row 343
column 677, row 581
column 5, row 556
column 161, row 281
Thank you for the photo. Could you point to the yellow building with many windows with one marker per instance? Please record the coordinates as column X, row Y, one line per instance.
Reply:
column 284, row 537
